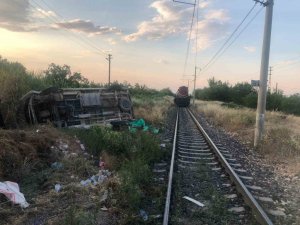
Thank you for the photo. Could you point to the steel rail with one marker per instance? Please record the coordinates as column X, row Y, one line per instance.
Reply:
column 168, row 199
column 259, row 213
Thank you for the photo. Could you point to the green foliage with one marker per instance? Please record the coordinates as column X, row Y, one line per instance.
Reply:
column 135, row 175
column 62, row 77
column 166, row 92
column 275, row 101
column 240, row 93
column 136, row 152
column 79, row 217
column 140, row 145
column 245, row 95
column 15, row 81
column 291, row 104
column 13, row 84
column 142, row 91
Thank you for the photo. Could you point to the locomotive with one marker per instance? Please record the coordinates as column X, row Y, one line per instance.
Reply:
column 182, row 98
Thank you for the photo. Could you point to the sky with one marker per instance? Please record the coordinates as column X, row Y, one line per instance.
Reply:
column 148, row 40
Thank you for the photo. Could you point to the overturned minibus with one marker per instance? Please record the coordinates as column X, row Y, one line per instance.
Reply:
column 75, row 107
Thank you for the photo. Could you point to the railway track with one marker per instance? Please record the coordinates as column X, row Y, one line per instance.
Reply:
column 206, row 184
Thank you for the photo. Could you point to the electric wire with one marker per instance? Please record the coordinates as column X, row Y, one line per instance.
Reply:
column 294, row 59
column 189, row 42
column 229, row 38
column 62, row 18
column 284, row 67
column 236, row 37
column 55, row 20
column 196, row 39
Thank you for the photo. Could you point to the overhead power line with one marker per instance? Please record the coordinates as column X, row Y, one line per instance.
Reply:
column 187, row 3
column 287, row 66
column 196, row 38
column 294, row 59
column 236, row 37
column 86, row 42
column 229, row 38
column 59, row 15
column 189, row 41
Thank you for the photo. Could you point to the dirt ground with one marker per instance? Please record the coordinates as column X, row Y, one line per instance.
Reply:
column 40, row 158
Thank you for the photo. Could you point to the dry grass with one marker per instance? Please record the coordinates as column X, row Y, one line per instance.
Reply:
column 22, row 150
column 282, row 132
column 26, row 157
column 152, row 110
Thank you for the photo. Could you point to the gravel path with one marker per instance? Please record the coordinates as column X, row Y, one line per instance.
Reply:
column 281, row 194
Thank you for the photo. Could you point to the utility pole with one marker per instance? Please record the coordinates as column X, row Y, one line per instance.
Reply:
column 109, row 63
column 270, row 76
column 194, row 93
column 262, row 94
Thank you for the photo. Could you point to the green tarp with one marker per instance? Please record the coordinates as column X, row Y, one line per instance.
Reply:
column 140, row 124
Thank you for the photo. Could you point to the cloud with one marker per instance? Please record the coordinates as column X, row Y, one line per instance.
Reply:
column 40, row 13
column 211, row 27
column 167, row 21
column 250, row 49
column 162, row 61
column 174, row 19
column 86, row 26
column 14, row 15
column 19, row 16
column 286, row 62
column 111, row 41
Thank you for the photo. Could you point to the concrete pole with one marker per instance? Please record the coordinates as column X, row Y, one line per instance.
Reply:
column 194, row 93
column 270, row 79
column 109, row 63
column 262, row 94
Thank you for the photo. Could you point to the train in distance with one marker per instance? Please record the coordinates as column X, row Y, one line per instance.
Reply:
column 182, row 98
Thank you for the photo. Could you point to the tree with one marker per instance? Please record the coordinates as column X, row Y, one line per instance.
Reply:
column 62, row 77
column 166, row 92
column 240, row 91
column 218, row 90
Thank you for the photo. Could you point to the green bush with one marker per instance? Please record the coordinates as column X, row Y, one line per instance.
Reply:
column 244, row 94
column 79, row 217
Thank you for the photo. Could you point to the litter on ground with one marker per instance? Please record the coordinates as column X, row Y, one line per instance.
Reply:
column 141, row 124
column 194, row 201
column 57, row 187
column 99, row 178
column 12, row 191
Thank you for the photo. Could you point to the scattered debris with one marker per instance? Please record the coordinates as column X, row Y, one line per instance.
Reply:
column 236, row 209
column 63, row 146
column 96, row 179
column 134, row 125
column 101, row 163
column 231, row 196
column 156, row 216
column 57, row 165
column 104, row 196
column 82, row 147
column 57, row 187
column 12, row 191
column 194, row 201
column 85, row 182
column 104, row 208
column 144, row 215
column 162, row 145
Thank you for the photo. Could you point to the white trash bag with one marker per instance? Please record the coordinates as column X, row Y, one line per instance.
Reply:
column 12, row 191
